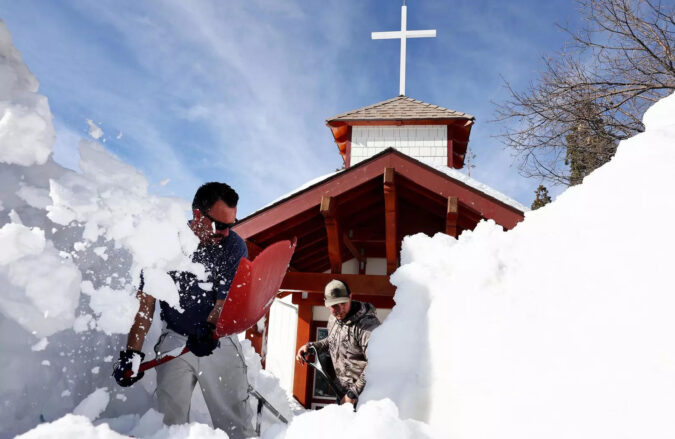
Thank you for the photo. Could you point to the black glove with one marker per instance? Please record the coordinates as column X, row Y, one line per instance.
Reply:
column 123, row 368
column 202, row 341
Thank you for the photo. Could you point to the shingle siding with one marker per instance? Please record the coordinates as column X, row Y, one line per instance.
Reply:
column 426, row 143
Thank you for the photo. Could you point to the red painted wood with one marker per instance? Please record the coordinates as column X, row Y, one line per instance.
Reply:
column 303, row 335
column 390, row 220
column 405, row 166
column 329, row 212
column 374, row 285
column 452, row 216
column 450, row 152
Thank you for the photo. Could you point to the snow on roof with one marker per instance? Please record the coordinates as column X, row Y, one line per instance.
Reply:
column 482, row 187
column 452, row 173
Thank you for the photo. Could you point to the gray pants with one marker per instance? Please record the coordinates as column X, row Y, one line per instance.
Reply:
column 221, row 377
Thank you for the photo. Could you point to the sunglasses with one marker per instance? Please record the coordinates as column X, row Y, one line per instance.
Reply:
column 220, row 225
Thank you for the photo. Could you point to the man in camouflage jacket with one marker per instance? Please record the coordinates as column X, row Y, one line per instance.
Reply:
column 349, row 328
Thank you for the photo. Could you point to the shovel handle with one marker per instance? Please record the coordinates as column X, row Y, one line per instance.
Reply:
column 157, row 361
column 317, row 366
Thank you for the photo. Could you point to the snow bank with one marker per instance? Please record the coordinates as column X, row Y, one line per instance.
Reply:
column 80, row 427
column 93, row 405
column 559, row 328
column 62, row 234
column 26, row 130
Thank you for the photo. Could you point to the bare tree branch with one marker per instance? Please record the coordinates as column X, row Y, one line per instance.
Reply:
column 594, row 93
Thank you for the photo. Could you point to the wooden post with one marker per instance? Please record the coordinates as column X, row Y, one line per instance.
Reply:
column 358, row 255
column 452, row 216
column 329, row 212
column 390, row 220
column 300, row 385
column 451, row 148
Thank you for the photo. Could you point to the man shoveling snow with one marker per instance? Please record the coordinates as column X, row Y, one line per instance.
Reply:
column 217, row 365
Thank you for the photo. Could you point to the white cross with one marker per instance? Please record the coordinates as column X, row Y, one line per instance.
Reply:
column 403, row 34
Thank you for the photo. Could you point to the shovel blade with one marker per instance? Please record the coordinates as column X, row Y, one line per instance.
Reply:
column 254, row 287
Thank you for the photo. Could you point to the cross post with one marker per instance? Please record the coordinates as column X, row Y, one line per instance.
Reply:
column 403, row 34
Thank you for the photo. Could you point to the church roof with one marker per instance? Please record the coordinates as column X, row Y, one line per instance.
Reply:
column 400, row 108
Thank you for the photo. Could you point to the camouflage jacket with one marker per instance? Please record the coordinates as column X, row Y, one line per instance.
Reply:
column 347, row 342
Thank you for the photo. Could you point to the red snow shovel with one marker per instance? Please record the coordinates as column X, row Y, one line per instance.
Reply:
column 253, row 289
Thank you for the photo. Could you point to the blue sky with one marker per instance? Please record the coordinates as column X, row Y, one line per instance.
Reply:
column 238, row 91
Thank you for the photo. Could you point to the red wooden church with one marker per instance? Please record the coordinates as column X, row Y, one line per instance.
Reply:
column 400, row 177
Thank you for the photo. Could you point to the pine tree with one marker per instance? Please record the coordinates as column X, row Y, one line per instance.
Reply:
column 589, row 146
column 541, row 197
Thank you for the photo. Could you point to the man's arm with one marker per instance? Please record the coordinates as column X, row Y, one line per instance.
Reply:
column 215, row 312
column 142, row 321
column 320, row 346
column 364, row 338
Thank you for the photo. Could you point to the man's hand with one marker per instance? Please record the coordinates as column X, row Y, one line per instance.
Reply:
column 202, row 341
column 303, row 350
column 350, row 397
column 123, row 369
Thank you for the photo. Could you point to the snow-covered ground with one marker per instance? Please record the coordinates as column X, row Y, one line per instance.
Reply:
column 559, row 328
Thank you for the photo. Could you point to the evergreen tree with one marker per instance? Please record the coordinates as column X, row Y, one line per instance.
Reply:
column 589, row 146
column 541, row 197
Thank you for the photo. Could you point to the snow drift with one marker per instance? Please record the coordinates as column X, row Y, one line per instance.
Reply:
column 561, row 327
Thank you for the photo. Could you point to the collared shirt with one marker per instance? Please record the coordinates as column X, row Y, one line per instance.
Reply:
column 197, row 298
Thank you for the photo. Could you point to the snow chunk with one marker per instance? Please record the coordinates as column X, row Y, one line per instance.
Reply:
column 34, row 196
column 26, row 130
column 83, row 323
column 18, row 241
column 100, row 252
column 71, row 426
column 95, row 131
column 40, row 345
column 93, row 405
column 115, row 308
column 41, row 288
column 373, row 419
column 159, row 284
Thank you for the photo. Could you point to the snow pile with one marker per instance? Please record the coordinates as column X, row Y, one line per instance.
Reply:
column 559, row 328
column 26, row 130
column 93, row 405
column 80, row 427
column 62, row 234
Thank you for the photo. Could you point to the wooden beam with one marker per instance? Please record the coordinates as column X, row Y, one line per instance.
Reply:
column 266, row 220
column 300, row 387
column 329, row 211
column 390, row 219
column 314, row 283
column 310, row 255
column 450, row 148
column 382, row 302
column 253, row 249
column 355, row 252
column 452, row 216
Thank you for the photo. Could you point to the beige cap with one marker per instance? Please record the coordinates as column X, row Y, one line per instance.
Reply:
column 336, row 292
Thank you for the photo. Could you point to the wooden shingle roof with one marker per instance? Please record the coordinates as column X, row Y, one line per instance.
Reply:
column 400, row 108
